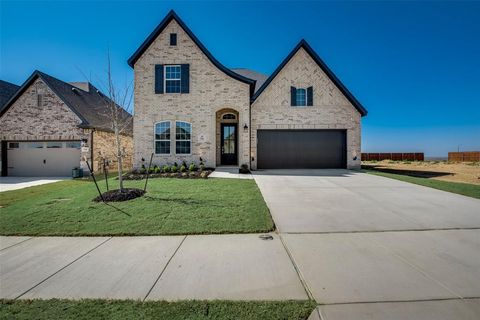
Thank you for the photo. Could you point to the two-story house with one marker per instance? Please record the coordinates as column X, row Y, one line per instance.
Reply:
column 189, row 106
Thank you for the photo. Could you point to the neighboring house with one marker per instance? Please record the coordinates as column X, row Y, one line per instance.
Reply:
column 189, row 106
column 7, row 90
column 48, row 127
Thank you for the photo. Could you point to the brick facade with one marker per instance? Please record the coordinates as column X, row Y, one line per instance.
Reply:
column 104, row 147
column 331, row 110
column 211, row 90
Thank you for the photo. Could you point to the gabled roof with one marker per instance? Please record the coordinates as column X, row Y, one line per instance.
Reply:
column 163, row 24
column 303, row 44
column 90, row 106
column 260, row 78
column 7, row 90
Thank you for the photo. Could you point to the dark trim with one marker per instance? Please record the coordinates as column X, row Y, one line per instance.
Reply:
column 38, row 74
column 303, row 44
column 4, row 158
column 163, row 24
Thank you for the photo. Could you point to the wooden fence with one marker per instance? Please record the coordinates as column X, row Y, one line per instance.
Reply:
column 408, row 156
column 467, row 156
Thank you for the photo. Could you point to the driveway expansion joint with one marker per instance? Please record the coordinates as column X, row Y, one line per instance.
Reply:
column 13, row 245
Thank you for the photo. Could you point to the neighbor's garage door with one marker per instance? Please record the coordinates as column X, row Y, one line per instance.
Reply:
column 302, row 149
column 43, row 158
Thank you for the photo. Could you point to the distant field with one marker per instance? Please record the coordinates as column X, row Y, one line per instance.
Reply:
column 464, row 172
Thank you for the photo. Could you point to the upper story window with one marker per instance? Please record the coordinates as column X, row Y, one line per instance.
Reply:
column 173, row 79
column 229, row 116
column 301, row 97
column 162, row 137
column 183, row 137
column 173, row 39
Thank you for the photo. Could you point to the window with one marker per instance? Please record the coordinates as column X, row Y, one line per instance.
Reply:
column 229, row 116
column 162, row 137
column 301, row 97
column 39, row 100
column 183, row 136
column 54, row 144
column 13, row 145
column 172, row 79
column 173, row 39
column 73, row 144
column 33, row 145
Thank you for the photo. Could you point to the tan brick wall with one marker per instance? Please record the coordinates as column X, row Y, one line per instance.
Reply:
column 104, row 147
column 331, row 110
column 210, row 90
column 25, row 121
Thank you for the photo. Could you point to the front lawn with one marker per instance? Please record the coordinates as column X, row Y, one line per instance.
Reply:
column 470, row 190
column 171, row 206
column 127, row 309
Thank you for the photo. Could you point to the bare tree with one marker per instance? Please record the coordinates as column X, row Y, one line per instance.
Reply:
column 118, row 107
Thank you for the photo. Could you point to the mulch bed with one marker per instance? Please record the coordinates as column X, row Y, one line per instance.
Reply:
column 117, row 196
column 180, row 175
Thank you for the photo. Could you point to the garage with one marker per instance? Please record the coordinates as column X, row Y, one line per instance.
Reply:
column 301, row 149
column 43, row 158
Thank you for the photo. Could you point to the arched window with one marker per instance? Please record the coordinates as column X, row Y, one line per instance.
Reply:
column 229, row 116
column 183, row 137
column 162, row 137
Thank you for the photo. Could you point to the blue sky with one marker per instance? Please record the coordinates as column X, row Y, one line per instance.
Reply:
column 414, row 65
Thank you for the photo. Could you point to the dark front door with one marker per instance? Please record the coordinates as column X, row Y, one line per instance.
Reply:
column 302, row 149
column 229, row 144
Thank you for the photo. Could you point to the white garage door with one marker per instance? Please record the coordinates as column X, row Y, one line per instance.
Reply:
column 43, row 158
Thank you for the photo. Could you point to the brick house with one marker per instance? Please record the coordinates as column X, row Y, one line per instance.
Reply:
column 48, row 127
column 189, row 106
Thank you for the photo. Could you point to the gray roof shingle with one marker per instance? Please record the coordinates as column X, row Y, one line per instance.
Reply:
column 7, row 90
column 260, row 78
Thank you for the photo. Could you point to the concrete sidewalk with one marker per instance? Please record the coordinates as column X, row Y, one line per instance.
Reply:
column 16, row 183
column 236, row 267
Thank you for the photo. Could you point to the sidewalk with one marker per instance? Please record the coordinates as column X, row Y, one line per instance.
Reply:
column 235, row 267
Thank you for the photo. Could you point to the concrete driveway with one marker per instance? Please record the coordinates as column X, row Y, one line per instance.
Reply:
column 369, row 247
column 15, row 183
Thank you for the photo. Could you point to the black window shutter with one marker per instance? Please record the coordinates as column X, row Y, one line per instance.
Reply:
column 293, row 96
column 310, row 96
column 159, row 78
column 185, row 78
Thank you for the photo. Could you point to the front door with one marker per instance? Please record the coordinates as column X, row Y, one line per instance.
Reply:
column 229, row 144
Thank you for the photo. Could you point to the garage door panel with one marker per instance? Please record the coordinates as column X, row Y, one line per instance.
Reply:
column 287, row 149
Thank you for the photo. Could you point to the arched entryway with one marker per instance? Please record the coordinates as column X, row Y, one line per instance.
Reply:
column 227, row 137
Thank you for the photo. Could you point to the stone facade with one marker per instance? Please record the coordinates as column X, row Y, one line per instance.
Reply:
column 211, row 90
column 331, row 110
column 104, row 148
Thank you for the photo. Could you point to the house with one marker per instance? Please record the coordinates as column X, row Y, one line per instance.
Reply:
column 188, row 106
column 48, row 127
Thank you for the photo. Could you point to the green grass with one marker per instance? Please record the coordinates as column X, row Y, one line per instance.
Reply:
column 127, row 309
column 171, row 206
column 466, row 189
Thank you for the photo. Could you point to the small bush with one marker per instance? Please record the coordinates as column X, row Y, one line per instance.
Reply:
column 183, row 168
column 184, row 164
column 166, row 168
column 244, row 168
column 192, row 167
column 142, row 169
column 202, row 166
column 158, row 170
column 174, row 168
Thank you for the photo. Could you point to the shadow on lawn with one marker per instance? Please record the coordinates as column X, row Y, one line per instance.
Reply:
column 411, row 173
column 176, row 200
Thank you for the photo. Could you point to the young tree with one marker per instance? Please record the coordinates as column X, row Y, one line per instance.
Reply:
column 118, row 107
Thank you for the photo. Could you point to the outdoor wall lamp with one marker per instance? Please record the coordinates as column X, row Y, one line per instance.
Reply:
column 245, row 127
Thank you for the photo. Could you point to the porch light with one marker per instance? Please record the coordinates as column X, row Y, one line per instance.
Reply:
column 245, row 127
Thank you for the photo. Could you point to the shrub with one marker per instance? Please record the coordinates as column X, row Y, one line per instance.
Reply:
column 174, row 168
column 244, row 168
column 202, row 166
column 184, row 164
column 183, row 168
column 166, row 168
column 158, row 170
column 192, row 167
column 142, row 169
column 204, row 174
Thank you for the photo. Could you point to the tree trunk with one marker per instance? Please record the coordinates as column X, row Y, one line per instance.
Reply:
column 119, row 159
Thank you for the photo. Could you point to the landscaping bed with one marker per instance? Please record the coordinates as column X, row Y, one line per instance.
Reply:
column 179, row 310
column 169, row 207
column 137, row 175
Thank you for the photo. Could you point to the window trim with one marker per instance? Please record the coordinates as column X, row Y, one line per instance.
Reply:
column 155, row 140
column 165, row 78
column 191, row 138
column 297, row 105
column 229, row 114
